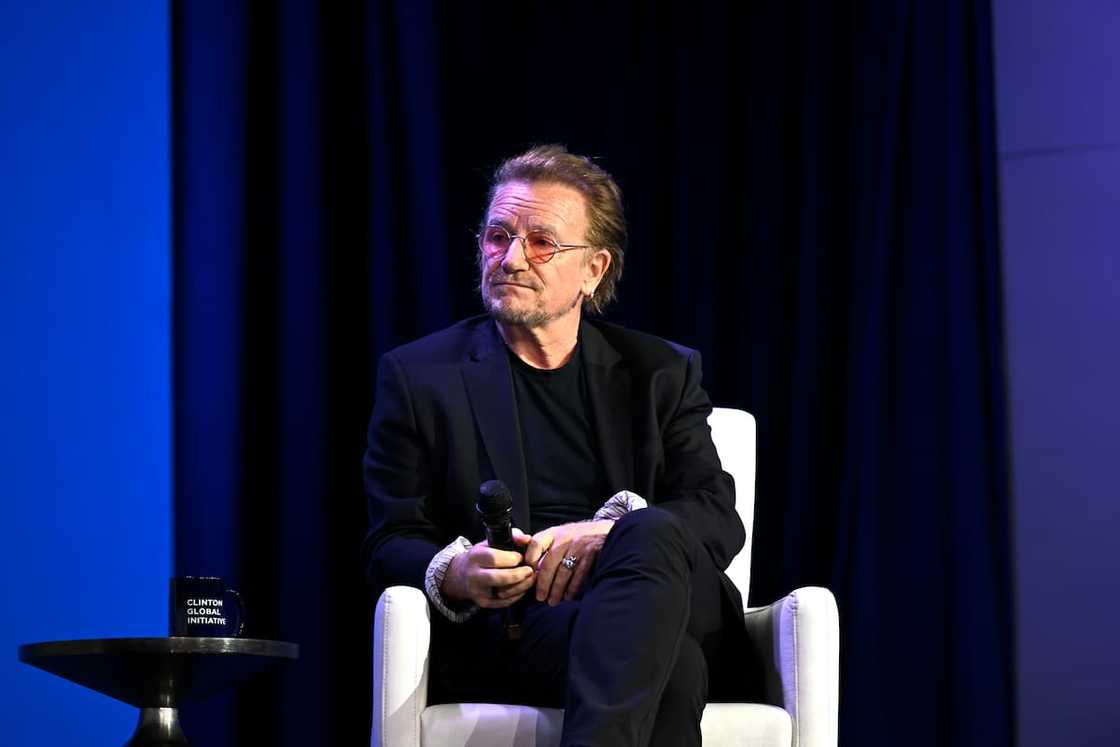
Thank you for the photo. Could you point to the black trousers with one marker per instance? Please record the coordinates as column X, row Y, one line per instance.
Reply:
column 633, row 660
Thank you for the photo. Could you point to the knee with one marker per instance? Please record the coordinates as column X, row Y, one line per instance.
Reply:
column 657, row 530
column 652, row 523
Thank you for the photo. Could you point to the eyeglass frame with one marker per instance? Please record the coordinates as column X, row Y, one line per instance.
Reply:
column 557, row 246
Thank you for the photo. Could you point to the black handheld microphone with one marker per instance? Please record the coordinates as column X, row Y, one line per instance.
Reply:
column 495, row 506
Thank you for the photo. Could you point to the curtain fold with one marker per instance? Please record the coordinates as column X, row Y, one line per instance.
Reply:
column 811, row 192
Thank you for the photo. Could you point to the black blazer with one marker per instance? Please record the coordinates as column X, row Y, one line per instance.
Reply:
column 444, row 421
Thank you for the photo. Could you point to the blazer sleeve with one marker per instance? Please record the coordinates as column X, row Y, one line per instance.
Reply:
column 402, row 537
column 693, row 485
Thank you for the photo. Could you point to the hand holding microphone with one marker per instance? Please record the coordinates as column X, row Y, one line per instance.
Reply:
column 490, row 574
column 487, row 577
column 495, row 506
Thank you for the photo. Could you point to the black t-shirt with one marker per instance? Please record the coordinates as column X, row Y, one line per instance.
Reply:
column 566, row 481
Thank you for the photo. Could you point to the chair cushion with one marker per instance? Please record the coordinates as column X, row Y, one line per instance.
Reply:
column 746, row 725
column 489, row 725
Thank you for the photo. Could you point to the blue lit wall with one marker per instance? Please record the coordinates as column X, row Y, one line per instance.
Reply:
column 84, row 348
column 1058, row 84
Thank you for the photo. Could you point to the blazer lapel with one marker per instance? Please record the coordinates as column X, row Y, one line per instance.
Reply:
column 608, row 384
column 490, row 389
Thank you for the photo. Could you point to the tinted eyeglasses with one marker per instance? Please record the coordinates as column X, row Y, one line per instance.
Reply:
column 539, row 246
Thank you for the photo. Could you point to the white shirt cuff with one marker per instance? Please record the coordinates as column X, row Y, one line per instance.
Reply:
column 433, row 580
column 620, row 504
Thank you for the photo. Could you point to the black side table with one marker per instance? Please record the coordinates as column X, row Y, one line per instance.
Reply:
column 157, row 675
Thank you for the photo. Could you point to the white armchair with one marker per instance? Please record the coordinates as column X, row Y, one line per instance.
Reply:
column 798, row 637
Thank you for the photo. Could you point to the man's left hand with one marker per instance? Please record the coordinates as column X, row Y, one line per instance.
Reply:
column 548, row 548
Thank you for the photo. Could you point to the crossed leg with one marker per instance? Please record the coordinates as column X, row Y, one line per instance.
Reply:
column 625, row 660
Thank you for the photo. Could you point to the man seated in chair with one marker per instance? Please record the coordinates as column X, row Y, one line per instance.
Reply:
column 629, row 623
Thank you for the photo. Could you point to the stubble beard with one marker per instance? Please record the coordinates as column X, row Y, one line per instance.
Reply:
column 536, row 316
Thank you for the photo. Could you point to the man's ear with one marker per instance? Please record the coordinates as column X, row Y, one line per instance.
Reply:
column 594, row 269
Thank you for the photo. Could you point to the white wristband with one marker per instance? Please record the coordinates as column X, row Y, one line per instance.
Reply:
column 433, row 580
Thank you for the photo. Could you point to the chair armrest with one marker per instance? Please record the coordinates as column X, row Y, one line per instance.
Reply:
column 401, row 636
column 798, row 640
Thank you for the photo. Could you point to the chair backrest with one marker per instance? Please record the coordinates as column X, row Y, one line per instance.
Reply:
column 733, row 432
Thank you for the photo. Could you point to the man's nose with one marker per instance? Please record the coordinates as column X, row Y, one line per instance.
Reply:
column 514, row 258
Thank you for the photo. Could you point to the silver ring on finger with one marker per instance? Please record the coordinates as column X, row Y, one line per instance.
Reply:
column 569, row 562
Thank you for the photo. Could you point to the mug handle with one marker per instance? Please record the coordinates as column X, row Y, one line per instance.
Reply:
column 240, row 613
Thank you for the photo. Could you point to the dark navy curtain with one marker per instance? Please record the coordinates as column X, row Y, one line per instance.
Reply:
column 812, row 198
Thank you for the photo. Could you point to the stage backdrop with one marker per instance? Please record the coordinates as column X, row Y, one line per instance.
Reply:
column 85, row 348
column 1059, row 124
column 813, row 205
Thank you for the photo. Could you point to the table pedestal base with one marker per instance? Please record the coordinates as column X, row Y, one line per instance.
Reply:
column 169, row 671
column 158, row 727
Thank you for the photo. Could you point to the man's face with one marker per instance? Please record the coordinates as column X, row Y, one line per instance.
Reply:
column 516, row 291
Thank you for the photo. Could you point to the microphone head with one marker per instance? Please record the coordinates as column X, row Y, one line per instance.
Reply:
column 494, row 498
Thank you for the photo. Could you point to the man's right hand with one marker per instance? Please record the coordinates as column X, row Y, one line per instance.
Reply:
column 487, row 577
